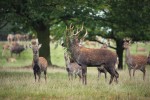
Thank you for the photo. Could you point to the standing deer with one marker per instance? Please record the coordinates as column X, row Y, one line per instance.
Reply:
column 10, row 38
column 89, row 56
column 5, row 47
column 39, row 64
column 72, row 67
column 135, row 62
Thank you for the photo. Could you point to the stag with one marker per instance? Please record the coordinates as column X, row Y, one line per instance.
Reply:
column 89, row 56
column 135, row 62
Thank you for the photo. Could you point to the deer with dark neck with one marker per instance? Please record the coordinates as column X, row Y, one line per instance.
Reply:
column 39, row 63
column 135, row 62
column 90, row 56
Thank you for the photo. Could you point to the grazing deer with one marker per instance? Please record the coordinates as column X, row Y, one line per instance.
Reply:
column 39, row 64
column 17, row 49
column 72, row 67
column 89, row 56
column 135, row 62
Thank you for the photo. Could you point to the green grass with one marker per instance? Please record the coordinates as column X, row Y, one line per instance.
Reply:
column 18, row 83
column 26, row 57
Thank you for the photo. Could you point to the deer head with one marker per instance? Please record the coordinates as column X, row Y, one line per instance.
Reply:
column 127, row 43
column 72, row 35
column 148, row 59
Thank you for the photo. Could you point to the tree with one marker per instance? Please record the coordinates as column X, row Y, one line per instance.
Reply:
column 40, row 16
column 126, row 18
column 37, row 15
column 46, row 17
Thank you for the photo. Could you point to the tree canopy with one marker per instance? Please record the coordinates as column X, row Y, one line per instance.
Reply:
column 125, row 18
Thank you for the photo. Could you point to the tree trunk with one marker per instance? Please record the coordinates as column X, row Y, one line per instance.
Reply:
column 43, row 37
column 119, row 50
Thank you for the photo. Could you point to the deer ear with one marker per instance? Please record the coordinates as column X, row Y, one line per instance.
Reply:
column 39, row 46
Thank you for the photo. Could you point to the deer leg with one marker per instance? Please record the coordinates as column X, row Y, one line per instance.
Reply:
column 99, row 74
column 105, row 75
column 80, row 76
column 35, row 76
column 130, row 72
column 69, row 76
column 116, row 76
column 84, row 72
column 75, row 75
column 39, row 75
column 144, row 71
column 134, row 71
column 85, row 75
column 112, row 72
column 45, row 76
column 111, row 79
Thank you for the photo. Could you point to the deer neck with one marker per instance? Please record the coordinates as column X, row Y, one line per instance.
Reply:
column 36, row 58
column 75, row 51
column 128, row 55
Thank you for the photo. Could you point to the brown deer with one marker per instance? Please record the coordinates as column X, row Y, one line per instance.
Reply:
column 10, row 38
column 39, row 64
column 135, row 62
column 140, row 49
column 17, row 49
column 72, row 67
column 89, row 56
column 5, row 47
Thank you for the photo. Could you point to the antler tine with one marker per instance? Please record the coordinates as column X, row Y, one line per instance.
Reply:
column 71, row 26
column 78, row 31
column 82, row 39
column 85, row 33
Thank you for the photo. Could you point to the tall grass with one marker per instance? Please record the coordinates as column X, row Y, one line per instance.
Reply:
column 19, row 84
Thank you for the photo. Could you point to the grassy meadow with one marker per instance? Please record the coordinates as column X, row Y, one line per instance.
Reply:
column 17, row 81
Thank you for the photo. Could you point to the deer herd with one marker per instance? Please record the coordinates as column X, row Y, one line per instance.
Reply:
column 104, row 59
column 78, row 57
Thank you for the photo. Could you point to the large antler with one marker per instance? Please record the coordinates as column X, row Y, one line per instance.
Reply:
column 82, row 39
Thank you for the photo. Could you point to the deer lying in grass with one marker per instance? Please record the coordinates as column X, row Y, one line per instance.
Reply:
column 39, row 64
column 135, row 62
column 72, row 67
column 89, row 56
